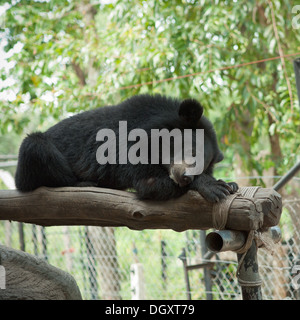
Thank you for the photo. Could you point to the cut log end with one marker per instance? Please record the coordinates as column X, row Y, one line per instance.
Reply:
column 271, row 203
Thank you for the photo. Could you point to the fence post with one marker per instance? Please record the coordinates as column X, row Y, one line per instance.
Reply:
column 137, row 282
column 182, row 257
column 206, row 271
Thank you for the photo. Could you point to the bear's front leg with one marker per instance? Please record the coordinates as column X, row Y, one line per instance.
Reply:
column 211, row 189
column 158, row 188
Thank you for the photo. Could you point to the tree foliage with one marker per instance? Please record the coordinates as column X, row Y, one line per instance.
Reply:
column 71, row 55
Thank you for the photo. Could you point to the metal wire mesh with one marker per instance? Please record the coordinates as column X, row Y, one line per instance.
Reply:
column 100, row 259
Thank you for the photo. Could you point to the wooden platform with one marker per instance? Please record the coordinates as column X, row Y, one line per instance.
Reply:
column 108, row 207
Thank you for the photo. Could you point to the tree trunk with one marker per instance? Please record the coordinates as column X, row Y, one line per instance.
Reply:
column 244, row 129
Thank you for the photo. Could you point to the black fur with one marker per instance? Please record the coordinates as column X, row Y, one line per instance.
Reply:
column 65, row 155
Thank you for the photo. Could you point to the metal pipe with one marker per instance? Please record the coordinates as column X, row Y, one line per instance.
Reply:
column 206, row 271
column 274, row 233
column 287, row 177
column 182, row 257
column 248, row 274
column 225, row 240
column 297, row 75
column 229, row 240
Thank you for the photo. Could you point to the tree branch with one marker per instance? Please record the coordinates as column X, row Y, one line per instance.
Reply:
column 281, row 54
column 79, row 72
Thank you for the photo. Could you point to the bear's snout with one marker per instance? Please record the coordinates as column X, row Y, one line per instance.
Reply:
column 179, row 176
column 185, row 180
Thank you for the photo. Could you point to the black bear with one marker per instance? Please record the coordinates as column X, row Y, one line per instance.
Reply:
column 78, row 151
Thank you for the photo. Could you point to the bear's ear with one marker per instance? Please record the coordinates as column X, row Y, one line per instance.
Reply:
column 219, row 157
column 191, row 111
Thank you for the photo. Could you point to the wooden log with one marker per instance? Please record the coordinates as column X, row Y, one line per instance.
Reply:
column 107, row 207
column 26, row 277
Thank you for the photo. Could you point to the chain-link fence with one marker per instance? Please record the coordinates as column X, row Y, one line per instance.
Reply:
column 102, row 260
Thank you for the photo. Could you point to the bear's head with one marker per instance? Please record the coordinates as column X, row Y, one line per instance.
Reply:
column 190, row 113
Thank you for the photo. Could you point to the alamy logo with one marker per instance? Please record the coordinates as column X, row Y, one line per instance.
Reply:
column 182, row 149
